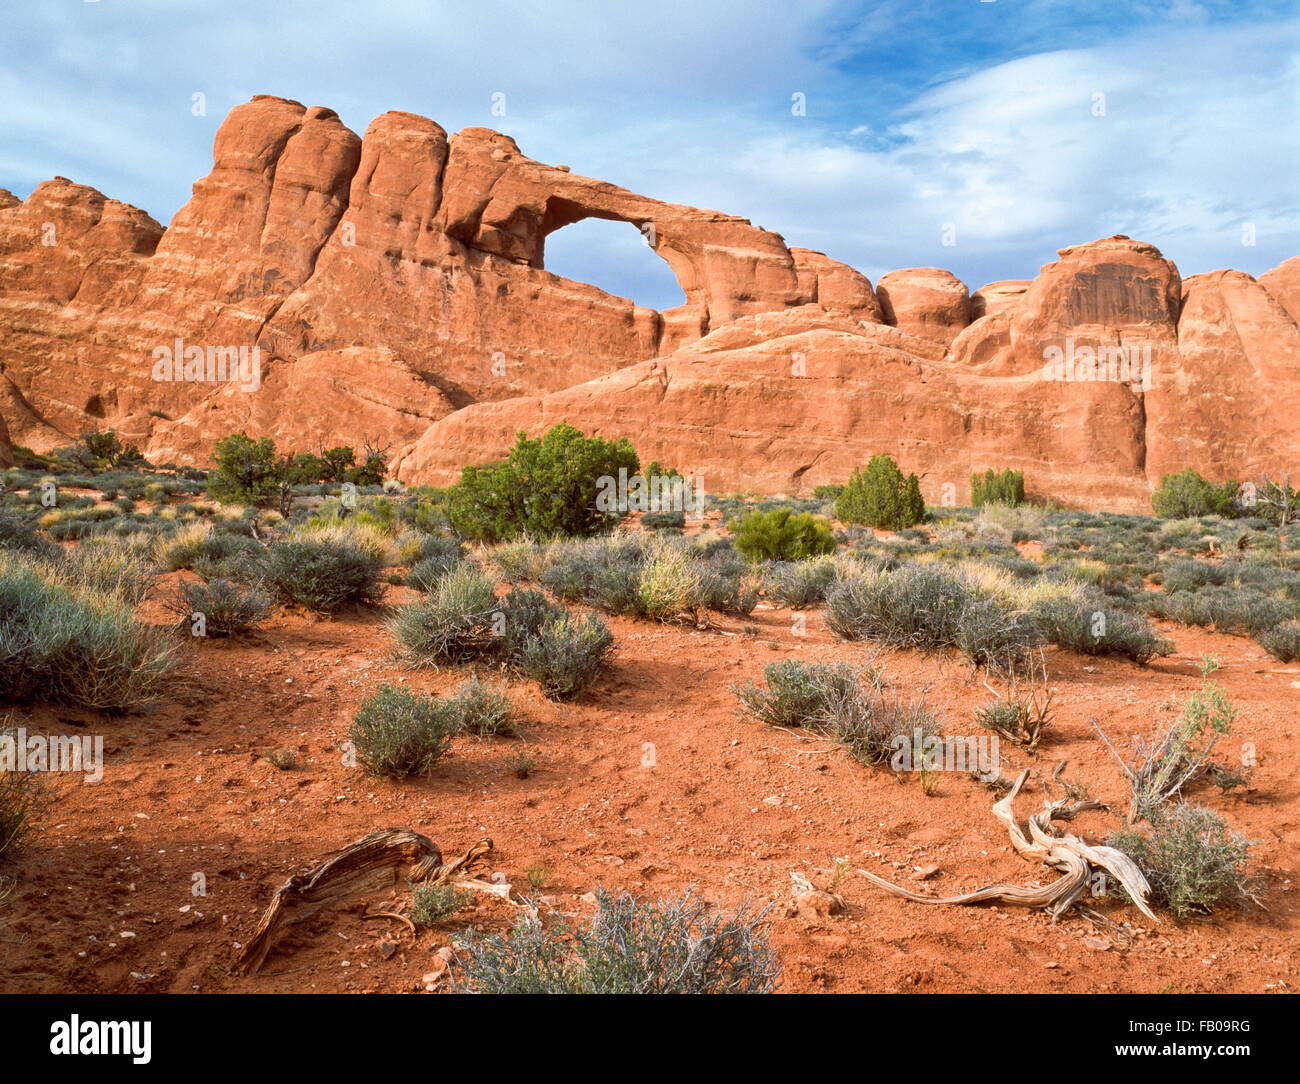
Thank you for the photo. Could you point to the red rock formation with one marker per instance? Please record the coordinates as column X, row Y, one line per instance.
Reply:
column 1283, row 282
column 997, row 297
column 925, row 301
column 6, row 449
column 394, row 287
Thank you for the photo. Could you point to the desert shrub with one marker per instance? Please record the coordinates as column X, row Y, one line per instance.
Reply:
column 374, row 540
column 928, row 607
column 201, row 548
column 827, row 492
column 225, row 607
column 1228, row 609
column 880, row 496
column 519, row 561
column 1187, row 494
column 799, row 584
column 1180, row 753
column 1005, row 487
column 246, row 472
column 659, row 521
column 798, row 693
column 662, row 578
column 605, row 573
column 70, row 642
column 398, row 732
column 992, row 635
column 1089, row 625
column 544, row 488
column 19, row 533
column 323, row 575
column 1184, row 575
column 453, row 622
column 23, row 799
column 781, row 535
column 727, row 582
column 482, row 709
column 1024, row 521
column 1282, row 642
column 676, row 945
column 524, row 612
column 432, row 904
column 120, row 567
column 669, row 584
column 564, row 655
column 875, row 729
column 1191, row 858
column 847, row 703
column 440, row 556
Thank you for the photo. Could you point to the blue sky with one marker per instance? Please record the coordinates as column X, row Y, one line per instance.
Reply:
column 969, row 121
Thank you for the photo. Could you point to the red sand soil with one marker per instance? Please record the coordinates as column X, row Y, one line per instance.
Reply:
column 104, row 902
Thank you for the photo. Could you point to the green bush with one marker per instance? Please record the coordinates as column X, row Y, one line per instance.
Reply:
column 565, row 654
column 998, row 487
column 881, row 497
column 1187, row 494
column 677, row 945
column 432, row 904
column 1192, row 859
column 203, row 549
column 524, row 612
column 321, row 575
column 781, row 535
column 545, row 488
column 398, row 732
column 247, row 471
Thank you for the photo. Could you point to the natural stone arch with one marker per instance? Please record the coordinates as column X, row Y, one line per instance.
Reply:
column 629, row 247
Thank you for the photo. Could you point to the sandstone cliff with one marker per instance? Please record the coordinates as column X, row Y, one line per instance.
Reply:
column 394, row 287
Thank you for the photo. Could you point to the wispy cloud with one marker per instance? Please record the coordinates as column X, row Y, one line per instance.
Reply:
column 919, row 114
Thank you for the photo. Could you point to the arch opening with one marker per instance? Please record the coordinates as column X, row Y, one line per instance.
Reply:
column 613, row 256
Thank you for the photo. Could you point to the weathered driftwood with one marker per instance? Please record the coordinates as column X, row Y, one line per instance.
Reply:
column 1067, row 853
column 375, row 863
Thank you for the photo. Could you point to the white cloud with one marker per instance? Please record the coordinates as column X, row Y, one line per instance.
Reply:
column 689, row 101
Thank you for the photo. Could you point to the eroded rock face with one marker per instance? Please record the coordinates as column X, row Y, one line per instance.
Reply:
column 392, row 288
column 783, row 402
column 997, row 297
column 307, row 239
column 925, row 301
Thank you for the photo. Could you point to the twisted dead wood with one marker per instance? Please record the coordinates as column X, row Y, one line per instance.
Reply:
column 1067, row 853
column 377, row 862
